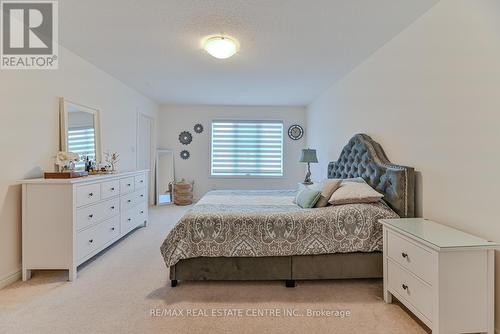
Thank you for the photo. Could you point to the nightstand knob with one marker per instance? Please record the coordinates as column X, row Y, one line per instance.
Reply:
column 91, row 215
column 113, row 207
column 112, row 229
column 405, row 287
column 404, row 255
column 129, row 219
column 91, row 240
column 113, row 189
column 91, row 194
column 128, row 201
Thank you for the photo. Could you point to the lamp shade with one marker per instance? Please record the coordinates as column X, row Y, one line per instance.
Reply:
column 308, row 155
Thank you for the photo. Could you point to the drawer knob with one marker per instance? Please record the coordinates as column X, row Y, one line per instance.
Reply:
column 142, row 195
column 128, row 184
column 142, row 211
column 112, row 229
column 91, row 240
column 142, row 181
column 91, row 194
column 404, row 286
column 91, row 215
column 128, row 201
column 113, row 189
column 113, row 207
column 404, row 255
column 129, row 219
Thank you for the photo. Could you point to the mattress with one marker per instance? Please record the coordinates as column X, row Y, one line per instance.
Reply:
column 236, row 223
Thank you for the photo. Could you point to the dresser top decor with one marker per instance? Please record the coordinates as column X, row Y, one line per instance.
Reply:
column 90, row 178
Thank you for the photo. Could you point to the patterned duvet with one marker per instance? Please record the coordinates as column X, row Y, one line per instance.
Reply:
column 230, row 223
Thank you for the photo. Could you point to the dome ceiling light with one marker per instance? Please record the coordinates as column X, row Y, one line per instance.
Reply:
column 221, row 47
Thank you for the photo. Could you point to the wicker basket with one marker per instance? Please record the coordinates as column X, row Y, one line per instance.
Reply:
column 183, row 193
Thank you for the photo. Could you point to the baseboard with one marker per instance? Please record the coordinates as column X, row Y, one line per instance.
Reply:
column 9, row 279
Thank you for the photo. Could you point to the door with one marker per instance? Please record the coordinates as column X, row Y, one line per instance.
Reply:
column 145, row 148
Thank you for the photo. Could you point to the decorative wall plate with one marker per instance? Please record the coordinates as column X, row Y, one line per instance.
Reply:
column 198, row 128
column 295, row 132
column 185, row 154
column 185, row 138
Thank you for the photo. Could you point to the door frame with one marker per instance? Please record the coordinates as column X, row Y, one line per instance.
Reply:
column 152, row 150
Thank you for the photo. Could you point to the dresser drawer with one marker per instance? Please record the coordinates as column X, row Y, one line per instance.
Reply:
column 92, row 239
column 127, row 185
column 412, row 257
column 110, row 189
column 412, row 290
column 140, row 181
column 140, row 195
column 88, row 194
column 132, row 218
column 128, row 201
column 142, row 215
column 98, row 212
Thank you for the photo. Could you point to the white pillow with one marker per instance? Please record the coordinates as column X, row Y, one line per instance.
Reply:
column 354, row 192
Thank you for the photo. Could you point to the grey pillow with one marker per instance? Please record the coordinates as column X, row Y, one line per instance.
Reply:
column 306, row 198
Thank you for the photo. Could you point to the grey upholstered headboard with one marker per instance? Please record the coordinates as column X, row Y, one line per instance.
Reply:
column 363, row 157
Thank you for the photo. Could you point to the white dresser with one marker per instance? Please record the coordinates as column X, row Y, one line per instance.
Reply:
column 444, row 276
column 67, row 221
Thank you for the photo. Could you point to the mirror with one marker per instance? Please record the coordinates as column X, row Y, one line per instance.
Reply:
column 80, row 131
column 164, row 176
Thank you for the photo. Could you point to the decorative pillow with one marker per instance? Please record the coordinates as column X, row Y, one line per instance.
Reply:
column 329, row 187
column 313, row 186
column 354, row 192
column 306, row 198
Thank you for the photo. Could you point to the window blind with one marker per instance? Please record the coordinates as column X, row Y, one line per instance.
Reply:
column 81, row 141
column 247, row 148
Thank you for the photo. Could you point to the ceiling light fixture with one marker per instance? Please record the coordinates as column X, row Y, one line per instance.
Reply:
column 221, row 47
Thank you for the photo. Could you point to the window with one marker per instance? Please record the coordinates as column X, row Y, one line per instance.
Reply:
column 81, row 141
column 247, row 148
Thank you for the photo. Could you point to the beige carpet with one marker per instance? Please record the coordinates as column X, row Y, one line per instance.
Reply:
column 117, row 291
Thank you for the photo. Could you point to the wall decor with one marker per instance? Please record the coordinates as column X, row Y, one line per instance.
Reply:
column 185, row 138
column 198, row 128
column 295, row 132
column 185, row 154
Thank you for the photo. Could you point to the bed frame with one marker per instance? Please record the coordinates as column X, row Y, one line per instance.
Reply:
column 361, row 157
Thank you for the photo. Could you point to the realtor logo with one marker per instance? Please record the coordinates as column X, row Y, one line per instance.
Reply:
column 29, row 35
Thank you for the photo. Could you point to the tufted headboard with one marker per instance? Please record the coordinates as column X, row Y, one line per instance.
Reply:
column 363, row 157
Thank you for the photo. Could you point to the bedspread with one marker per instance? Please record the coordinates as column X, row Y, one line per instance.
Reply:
column 236, row 223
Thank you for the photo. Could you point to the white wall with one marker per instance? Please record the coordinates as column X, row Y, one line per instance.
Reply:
column 29, row 132
column 431, row 97
column 177, row 118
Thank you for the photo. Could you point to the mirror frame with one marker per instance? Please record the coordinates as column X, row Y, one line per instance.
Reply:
column 63, row 124
column 158, row 152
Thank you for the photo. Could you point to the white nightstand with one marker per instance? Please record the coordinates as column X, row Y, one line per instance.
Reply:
column 444, row 276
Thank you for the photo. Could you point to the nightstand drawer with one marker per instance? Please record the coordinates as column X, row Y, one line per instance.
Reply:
column 410, row 289
column 410, row 256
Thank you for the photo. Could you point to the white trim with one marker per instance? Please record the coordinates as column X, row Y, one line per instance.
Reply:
column 10, row 278
column 152, row 155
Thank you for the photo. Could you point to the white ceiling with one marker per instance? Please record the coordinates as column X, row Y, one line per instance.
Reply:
column 291, row 50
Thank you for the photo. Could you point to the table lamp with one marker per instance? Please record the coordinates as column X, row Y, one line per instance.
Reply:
column 308, row 155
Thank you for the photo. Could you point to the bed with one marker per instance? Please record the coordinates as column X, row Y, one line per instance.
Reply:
column 263, row 235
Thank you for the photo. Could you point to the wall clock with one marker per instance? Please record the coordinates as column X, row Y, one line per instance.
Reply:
column 295, row 132
column 185, row 154
column 198, row 128
column 185, row 138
